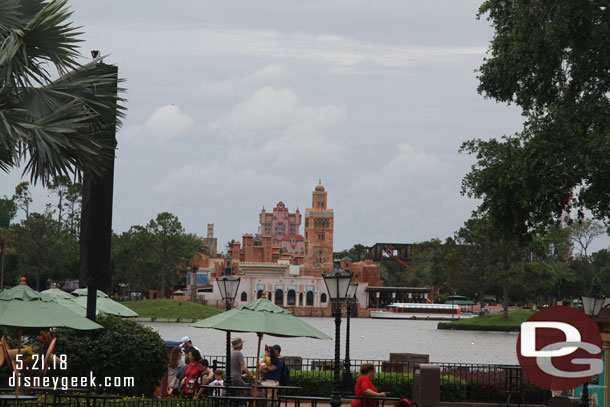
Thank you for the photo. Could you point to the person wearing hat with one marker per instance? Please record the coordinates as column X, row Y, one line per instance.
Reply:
column 238, row 363
column 186, row 342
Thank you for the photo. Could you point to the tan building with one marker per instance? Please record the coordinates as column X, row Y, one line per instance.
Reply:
column 319, row 226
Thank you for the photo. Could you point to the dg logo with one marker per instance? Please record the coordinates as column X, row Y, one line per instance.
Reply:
column 559, row 348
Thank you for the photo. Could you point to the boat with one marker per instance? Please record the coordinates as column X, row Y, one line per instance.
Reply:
column 407, row 310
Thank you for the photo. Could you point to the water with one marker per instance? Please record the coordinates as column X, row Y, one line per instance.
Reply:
column 369, row 339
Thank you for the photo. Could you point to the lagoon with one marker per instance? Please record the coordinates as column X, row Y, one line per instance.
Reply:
column 369, row 339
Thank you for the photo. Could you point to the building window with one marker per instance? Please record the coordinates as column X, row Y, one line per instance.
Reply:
column 309, row 298
column 279, row 297
column 301, row 299
column 292, row 296
column 323, row 297
column 259, row 294
column 320, row 235
column 244, row 297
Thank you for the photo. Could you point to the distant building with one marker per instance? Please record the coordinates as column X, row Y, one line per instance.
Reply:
column 319, row 225
column 283, row 227
column 265, row 252
column 210, row 242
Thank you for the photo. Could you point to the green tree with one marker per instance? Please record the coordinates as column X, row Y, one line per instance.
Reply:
column 68, row 205
column 8, row 210
column 45, row 249
column 549, row 58
column 133, row 260
column 584, row 231
column 50, row 125
column 172, row 248
column 23, row 197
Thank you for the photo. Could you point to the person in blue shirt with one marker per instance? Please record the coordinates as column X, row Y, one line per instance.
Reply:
column 271, row 373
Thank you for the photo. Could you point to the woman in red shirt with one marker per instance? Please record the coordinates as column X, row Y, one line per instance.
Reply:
column 364, row 386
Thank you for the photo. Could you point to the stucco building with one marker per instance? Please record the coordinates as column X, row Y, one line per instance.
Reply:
column 319, row 227
column 283, row 227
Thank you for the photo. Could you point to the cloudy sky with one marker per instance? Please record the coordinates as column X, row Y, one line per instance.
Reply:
column 236, row 105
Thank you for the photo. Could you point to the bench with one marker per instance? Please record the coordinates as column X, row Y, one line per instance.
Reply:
column 298, row 399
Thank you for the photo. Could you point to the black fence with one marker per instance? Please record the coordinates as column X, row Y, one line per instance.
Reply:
column 483, row 382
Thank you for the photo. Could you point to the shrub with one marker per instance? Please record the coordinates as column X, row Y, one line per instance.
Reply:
column 320, row 384
column 122, row 349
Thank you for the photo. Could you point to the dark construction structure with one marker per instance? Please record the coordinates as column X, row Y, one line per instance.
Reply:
column 96, row 214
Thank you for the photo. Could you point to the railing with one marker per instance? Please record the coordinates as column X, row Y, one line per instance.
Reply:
column 484, row 382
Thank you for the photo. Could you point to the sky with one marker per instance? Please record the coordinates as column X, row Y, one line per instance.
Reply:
column 236, row 105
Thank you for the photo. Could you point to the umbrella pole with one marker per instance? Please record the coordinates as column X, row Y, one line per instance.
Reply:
column 258, row 362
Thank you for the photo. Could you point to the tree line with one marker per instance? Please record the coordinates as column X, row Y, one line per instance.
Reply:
column 44, row 246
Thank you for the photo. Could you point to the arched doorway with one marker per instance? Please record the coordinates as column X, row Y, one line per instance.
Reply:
column 309, row 298
column 323, row 297
column 259, row 294
column 279, row 297
column 292, row 296
column 244, row 297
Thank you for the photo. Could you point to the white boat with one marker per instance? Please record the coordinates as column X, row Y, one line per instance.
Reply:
column 407, row 310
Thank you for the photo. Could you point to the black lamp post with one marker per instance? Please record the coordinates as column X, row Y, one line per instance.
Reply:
column 592, row 304
column 348, row 383
column 228, row 286
column 337, row 284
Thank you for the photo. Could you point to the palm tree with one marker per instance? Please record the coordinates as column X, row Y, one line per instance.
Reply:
column 54, row 112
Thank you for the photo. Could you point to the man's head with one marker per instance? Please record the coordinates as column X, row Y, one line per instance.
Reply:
column 187, row 354
column 277, row 349
column 185, row 341
column 204, row 365
column 237, row 343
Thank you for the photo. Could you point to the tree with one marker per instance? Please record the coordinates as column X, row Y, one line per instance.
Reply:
column 45, row 250
column 584, row 231
column 549, row 58
column 133, row 260
column 8, row 210
column 172, row 247
column 69, row 198
column 23, row 197
column 50, row 125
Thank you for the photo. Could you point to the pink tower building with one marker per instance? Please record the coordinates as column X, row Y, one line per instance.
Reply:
column 283, row 227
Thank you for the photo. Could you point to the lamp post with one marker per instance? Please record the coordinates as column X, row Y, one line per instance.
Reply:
column 592, row 304
column 337, row 284
column 228, row 286
column 348, row 383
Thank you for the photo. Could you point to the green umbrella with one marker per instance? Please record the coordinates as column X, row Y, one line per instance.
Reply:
column 23, row 307
column 263, row 317
column 104, row 303
column 63, row 298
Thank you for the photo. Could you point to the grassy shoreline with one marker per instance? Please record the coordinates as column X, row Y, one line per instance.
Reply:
column 494, row 322
column 166, row 309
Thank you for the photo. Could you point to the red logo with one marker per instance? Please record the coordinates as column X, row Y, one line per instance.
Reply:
column 559, row 348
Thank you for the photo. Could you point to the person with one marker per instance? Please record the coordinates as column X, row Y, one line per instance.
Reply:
column 238, row 364
column 206, row 374
column 189, row 383
column 271, row 373
column 186, row 342
column 182, row 372
column 218, row 382
column 365, row 388
column 173, row 368
column 284, row 373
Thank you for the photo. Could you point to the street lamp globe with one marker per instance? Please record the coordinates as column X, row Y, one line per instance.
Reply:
column 228, row 286
column 351, row 291
column 592, row 302
column 337, row 282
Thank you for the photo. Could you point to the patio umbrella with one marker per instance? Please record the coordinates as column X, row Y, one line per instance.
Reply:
column 263, row 317
column 63, row 298
column 104, row 303
column 23, row 307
